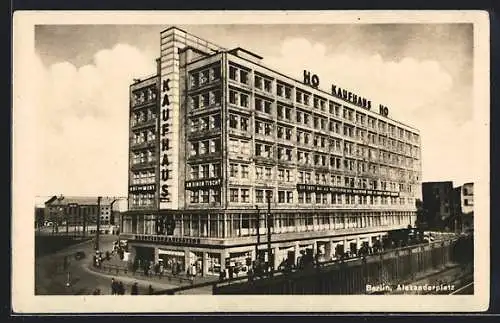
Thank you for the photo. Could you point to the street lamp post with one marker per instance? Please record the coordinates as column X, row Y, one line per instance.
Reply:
column 270, row 259
column 257, row 226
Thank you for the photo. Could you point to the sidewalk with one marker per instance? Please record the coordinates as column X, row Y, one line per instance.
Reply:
column 110, row 268
column 129, row 279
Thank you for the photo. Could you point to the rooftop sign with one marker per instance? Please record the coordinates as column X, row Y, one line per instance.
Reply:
column 312, row 80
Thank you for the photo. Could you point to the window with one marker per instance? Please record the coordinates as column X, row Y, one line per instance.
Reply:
column 233, row 170
column 215, row 121
column 233, row 97
column 259, row 196
column 298, row 97
column 244, row 171
column 280, row 91
column 289, row 197
column 215, row 145
column 258, row 82
column 233, row 195
column 245, row 195
column 268, row 85
column 259, row 172
column 233, row 73
column 267, row 107
column 268, row 172
column 281, row 196
column 215, row 170
column 204, row 195
column 233, row 121
column 205, row 171
column 215, row 195
column 244, row 123
column 215, row 73
column 194, row 198
column 301, row 197
column 244, row 100
column 281, row 174
column 243, row 77
column 306, row 99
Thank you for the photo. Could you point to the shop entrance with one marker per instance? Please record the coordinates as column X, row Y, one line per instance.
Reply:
column 196, row 260
column 173, row 260
column 213, row 264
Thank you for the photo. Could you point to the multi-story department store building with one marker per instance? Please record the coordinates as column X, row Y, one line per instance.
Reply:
column 216, row 132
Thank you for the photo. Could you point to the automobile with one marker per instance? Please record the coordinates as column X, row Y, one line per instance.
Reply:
column 79, row 255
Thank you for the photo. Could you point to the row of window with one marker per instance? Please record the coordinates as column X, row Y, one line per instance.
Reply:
column 204, row 171
column 267, row 150
column 142, row 116
column 205, row 100
column 239, row 98
column 243, row 171
column 238, row 225
column 147, row 177
column 243, row 147
column 144, row 95
column 242, row 195
column 143, row 199
column 205, row 196
column 266, row 128
column 205, row 147
column 211, row 122
column 140, row 137
column 143, row 157
column 205, row 76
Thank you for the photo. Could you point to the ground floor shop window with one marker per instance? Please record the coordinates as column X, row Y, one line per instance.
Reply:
column 173, row 261
column 213, row 263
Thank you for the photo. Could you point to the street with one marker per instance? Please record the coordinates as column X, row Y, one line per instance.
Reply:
column 51, row 278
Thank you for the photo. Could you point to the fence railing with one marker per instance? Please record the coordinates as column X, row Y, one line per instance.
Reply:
column 348, row 276
column 352, row 277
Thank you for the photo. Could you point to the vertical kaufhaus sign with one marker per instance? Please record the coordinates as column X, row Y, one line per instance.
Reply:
column 169, row 128
column 313, row 81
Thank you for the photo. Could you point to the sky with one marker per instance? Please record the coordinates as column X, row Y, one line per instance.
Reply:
column 422, row 72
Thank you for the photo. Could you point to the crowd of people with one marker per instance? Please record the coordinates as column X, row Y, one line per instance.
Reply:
column 118, row 288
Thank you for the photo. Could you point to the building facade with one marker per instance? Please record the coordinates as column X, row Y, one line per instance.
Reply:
column 465, row 206
column 446, row 207
column 77, row 210
column 217, row 139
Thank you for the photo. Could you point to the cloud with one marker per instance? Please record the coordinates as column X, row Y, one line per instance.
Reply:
column 418, row 92
column 82, row 115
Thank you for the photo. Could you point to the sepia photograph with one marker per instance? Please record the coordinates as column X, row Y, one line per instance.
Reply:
column 251, row 162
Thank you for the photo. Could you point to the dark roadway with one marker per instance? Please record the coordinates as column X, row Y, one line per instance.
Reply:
column 50, row 277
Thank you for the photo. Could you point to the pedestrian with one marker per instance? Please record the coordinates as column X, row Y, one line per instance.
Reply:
column 174, row 268
column 121, row 289
column 193, row 270
column 150, row 290
column 135, row 289
column 161, row 269
column 114, row 287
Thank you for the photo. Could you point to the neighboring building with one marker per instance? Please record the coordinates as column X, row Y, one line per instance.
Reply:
column 215, row 134
column 446, row 207
column 465, row 206
column 438, row 203
column 77, row 210
column 39, row 216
